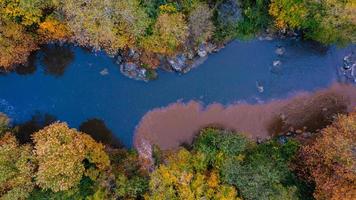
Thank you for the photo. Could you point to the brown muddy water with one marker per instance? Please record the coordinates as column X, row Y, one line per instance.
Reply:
column 169, row 127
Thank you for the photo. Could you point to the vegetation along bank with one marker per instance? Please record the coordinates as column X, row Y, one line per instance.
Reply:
column 63, row 163
column 174, row 35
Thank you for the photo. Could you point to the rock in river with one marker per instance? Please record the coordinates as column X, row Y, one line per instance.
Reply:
column 280, row 51
column 133, row 71
column 104, row 72
column 277, row 63
column 348, row 68
column 178, row 63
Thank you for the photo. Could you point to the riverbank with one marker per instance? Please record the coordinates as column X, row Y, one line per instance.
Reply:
column 304, row 113
column 145, row 36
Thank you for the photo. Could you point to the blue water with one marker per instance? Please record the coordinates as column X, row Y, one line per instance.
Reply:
column 80, row 92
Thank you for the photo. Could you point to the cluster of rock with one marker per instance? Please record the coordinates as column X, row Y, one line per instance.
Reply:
column 130, row 65
column 277, row 63
column 276, row 67
column 182, row 63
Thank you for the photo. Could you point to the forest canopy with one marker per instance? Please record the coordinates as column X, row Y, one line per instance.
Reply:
column 63, row 163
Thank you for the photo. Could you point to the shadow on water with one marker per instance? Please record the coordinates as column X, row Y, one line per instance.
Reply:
column 28, row 68
column 97, row 129
column 309, row 114
column 311, row 46
column 38, row 121
column 56, row 58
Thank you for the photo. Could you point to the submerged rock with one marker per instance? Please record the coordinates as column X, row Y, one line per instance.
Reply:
column 267, row 38
column 277, row 63
column 104, row 72
column 280, row 51
column 260, row 87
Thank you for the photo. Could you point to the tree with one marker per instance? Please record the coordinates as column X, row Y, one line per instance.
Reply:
column 52, row 29
column 16, row 169
column 4, row 122
column 131, row 179
column 219, row 145
column 169, row 34
column 337, row 23
column 330, row 161
column 15, row 44
column 200, row 25
column 187, row 176
column 65, row 155
column 250, row 167
column 289, row 13
column 263, row 168
column 27, row 12
column 108, row 25
column 328, row 21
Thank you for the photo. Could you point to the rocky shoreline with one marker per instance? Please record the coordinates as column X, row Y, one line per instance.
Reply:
column 132, row 67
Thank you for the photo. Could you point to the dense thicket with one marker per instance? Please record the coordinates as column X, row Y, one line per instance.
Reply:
column 163, row 27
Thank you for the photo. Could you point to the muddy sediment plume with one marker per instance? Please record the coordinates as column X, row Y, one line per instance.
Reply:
column 178, row 123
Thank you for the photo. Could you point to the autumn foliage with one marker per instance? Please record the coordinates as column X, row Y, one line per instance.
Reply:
column 53, row 30
column 186, row 176
column 60, row 153
column 330, row 160
column 16, row 169
column 63, row 163
column 15, row 44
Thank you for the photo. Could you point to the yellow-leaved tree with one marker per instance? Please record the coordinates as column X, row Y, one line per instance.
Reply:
column 169, row 33
column 16, row 169
column 186, row 176
column 65, row 155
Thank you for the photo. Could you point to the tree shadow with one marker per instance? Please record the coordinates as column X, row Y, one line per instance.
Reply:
column 311, row 114
column 97, row 129
column 37, row 122
column 28, row 68
column 56, row 58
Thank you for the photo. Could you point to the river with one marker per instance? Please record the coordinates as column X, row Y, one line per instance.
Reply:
column 74, row 85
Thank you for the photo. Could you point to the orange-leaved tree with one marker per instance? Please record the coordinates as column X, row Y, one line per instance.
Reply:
column 330, row 161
